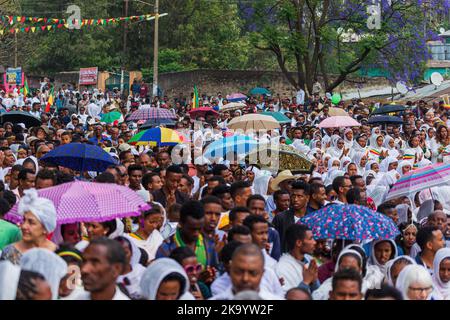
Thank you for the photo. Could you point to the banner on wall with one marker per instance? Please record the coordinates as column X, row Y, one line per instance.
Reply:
column 88, row 76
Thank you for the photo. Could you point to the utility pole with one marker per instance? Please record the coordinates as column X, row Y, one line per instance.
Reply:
column 125, row 31
column 156, row 49
column 15, row 50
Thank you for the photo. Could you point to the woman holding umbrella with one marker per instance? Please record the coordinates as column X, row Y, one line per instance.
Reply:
column 39, row 220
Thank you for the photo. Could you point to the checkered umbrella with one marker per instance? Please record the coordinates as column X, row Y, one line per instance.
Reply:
column 151, row 113
column 81, row 201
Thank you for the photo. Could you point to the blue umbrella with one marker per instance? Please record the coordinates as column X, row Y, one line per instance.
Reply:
column 385, row 120
column 80, row 157
column 259, row 91
column 389, row 108
column 350, row 222
column 237, row 144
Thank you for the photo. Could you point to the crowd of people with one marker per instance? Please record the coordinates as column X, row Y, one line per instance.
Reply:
column 219, row 229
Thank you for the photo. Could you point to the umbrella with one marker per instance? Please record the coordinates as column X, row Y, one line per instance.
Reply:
column 287, row 157
column 389, row 108
column 203, row 112
column 156, row 123
column 281, row 118
column 350, row 222
column 237, row 144
column 385, row 120
column 80, row 157
column 20, row 117
column 420, row 179
column 233, row 106
column 81, row 201
column 236, row 97
column 110, row 117
column 259, row 91
column 151, row 113
column 254, row 121
column 160, row 137
column 339, row 121
column 337, row 112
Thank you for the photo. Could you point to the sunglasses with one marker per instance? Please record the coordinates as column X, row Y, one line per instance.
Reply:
column 191, row 268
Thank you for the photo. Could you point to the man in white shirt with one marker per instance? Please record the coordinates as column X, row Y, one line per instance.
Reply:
column 296, row 267
column 103, row 262
column 93, row 109
column 246, row 272
column 300, row 96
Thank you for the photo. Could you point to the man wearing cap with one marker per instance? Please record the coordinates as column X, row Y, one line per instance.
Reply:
column 98, row 138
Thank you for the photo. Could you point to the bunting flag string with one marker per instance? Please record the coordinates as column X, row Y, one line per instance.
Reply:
column 11, row 20
column 62, row 23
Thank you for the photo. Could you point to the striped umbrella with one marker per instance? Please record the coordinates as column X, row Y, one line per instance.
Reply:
column 420, row 179
column 236, row 97
column 161, row 137
column 238, row 144
column 151, row 113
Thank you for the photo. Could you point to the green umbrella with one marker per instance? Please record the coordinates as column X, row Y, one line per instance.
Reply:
column 110, row 117
column 281, row 118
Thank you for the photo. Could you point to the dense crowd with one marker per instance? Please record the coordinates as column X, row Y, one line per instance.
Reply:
column 219, row 227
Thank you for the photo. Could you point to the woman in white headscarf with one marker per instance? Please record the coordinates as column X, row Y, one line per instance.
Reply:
column 375, row 133
column 394, row 267
column 337, row 147
column 39, row 220
column 251, row 172
column 47, row 263
column 388, row 164
column 376, row 150
column 441, row 274
column 381, row 251
column 360, row 159
column 348, row 138
column 404, row 167
column 334, row 165
column 132, row 274
column 389, row 145
column 415, row 283
column 160, row 275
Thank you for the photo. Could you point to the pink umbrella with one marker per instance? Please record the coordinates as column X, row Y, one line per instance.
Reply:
column 338, row 122
column 81, row 201
column 236, row 97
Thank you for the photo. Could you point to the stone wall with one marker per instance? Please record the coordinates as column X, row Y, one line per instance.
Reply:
column 211, row 82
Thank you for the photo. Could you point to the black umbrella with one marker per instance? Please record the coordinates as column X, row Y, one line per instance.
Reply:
column 20, row 117
column 385, row 120
column 156, row 123
column 389, row 108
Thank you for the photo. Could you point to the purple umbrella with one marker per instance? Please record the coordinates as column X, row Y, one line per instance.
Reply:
column 151, row 113
column 235, row 97
column 81, row 201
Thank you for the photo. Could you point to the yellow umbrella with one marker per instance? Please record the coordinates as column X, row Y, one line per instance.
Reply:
column 254, row 122
column 337, row 112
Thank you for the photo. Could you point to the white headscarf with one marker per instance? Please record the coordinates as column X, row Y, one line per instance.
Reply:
column 155, row 274
column 334, row 151
column 374, row 137
column 348, row 143
column 402, row 164
column 384, row 165
column 9, row 280
column 47, row 263
column 390, row 264
column 343, row 162
column 409, row 275
column 261, row 184
column 345, row 252
column 357, row 156
column 441, row 288
column 42, row 208
column 373, row 260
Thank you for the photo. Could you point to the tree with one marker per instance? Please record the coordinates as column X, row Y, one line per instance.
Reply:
column 313, row 37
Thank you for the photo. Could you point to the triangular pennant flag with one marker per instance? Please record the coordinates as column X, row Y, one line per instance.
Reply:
column 33, row 29
column 45, row 20
column 43, row 28
column 22, row 29
column 27, row 29
column 49, row 27
column 30, row 19
column 17, row 30
column 1, row 32
column 23, row 19
column 11, row 19
column 60, row 26
column 66, row 26
column 40, row 19
column 11, row 30
column 56, row 20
